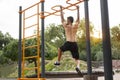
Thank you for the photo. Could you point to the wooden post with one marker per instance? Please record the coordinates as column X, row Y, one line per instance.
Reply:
column 90, row 77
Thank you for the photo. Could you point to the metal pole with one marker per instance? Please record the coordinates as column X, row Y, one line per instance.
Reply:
column 19, row 44
column 43, row 52
column 106, row 41
column 87, row 38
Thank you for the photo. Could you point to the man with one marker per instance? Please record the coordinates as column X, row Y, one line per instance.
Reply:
column 70, row 32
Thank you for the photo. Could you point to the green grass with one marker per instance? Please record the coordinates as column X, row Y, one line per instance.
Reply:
column 67, row 64
column 6, row 70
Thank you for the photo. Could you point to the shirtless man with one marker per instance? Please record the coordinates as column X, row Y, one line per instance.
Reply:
column 70, row 32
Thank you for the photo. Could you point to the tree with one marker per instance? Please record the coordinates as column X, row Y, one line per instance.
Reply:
column 11, row 50
column 7, row 38
column 115, row 40
column 1, row 40
column 54, row 38
column 81, row 37
column 3, row 59
column 55, row 35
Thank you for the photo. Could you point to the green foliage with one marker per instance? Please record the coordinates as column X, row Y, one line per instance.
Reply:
column 81, row 40
column 7, row 38
column 55, row 35
column 96, row 51
column 1, row 40
column 115, row 40
column 82, row 55
column 50, row 51
column 115, row 53
column 3, row 59
column 99, row 56
column 11, row 50
column 4, row 39
column 115, row 33
column 54, row 38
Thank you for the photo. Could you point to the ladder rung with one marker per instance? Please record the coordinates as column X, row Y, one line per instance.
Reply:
column 33, row 36
column 31, row 46
column 31, row 57
column 30, row 16
column 30, row 68
column 30, row 26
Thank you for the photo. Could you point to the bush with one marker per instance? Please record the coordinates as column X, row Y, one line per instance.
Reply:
column 50, row 51
column 82, row 55
column 99, row 56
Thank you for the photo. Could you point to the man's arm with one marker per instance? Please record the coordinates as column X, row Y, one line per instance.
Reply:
column 61, row 13
column 78, row 18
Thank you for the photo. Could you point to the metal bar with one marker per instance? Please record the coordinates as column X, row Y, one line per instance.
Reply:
column 30, row 16
column 42, row 41
column 31, row 46
column 63, row 8
column 106, row 40
column 29, row 37
column 31, row 6
column 31, row 68
column 38, row 43
column 19, row 44
column 30, row 26
column 87, row 38
column 30, row 57
column 23, row 48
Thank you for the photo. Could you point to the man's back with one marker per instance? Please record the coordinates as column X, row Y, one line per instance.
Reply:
column 70, row 32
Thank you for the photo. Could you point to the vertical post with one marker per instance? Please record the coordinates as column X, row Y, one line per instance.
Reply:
column 87, row 37
column 19, row 43
column 42, row 33
column 106, row 40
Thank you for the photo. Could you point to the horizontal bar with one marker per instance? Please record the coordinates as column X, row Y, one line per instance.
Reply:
column 31, row 46
column 30, row 68
column 33, row 36
column 30, row 26
column 31, row 57
column 30, row 6
column 30, row 16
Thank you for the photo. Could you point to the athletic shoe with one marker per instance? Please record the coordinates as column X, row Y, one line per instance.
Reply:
column 57, row 63
column 78, row 71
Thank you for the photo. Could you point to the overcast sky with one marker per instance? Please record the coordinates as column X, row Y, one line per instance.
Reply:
column 9, row 17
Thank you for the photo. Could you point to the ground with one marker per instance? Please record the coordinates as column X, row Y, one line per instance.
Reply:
column 115, row 77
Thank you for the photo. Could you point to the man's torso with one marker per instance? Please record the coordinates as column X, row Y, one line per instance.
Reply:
column 70, row 32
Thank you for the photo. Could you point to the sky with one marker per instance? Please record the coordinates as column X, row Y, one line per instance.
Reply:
column 9, row 16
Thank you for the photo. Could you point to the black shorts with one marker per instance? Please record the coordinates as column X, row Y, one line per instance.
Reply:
column 72, row 47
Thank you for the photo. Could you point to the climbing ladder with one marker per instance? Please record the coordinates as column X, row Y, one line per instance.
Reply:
column 31, row 24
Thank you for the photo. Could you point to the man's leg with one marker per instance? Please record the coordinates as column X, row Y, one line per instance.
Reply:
column 59, row 54
column 78, row 67
column 59, row 57
column 77, row 63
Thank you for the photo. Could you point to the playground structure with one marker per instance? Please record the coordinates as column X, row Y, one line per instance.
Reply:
column 22, row 38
